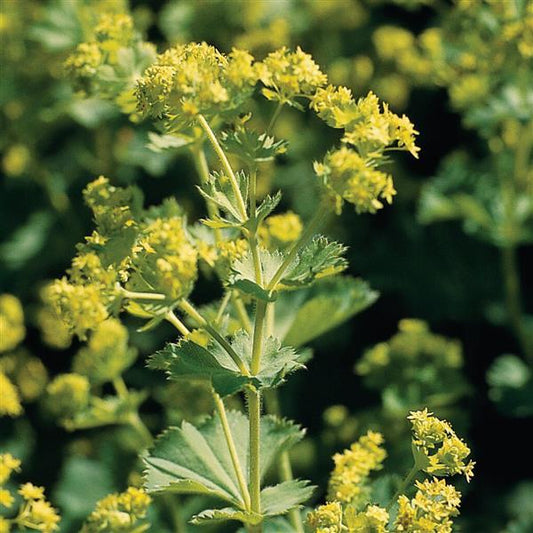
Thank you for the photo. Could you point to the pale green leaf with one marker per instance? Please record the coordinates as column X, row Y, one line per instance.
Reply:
column 283, row 497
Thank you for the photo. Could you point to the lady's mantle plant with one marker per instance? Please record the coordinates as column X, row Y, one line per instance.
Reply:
column 145, row 261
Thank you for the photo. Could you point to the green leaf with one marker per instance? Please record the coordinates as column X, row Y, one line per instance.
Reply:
column 283, row 497
column 319, row 259
column 252, row 146
column 227, row 513
column 188, row 360
column 308, row 313
column 275, row 500
column 219, row 190
column 266, row 207
column 159, row 143
column 197, row 461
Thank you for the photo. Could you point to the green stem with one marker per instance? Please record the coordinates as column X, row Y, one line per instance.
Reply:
column 141, row 295
column 225, row 163
column 136, row 422
column 177, row 323
column 221, row 410
column 120, row 387
column 241, row 311
column 254, row 413
column 222, row 308
column 257, row 343
column 274, row 117
column 405, row 483
column 195, row 315
column 306, row 236
column 203, row 172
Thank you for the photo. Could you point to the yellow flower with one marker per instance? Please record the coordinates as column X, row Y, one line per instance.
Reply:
column 6, row 499
column 445, row 453
column 9, row 398
column 352, row 468
column 391, row 40
column 68, row 394
column 5, row 525
column 12, row 329
column 42, row 516
column 373, row 519
column 280, row 230
column 326, row 518
column 430, row 510
column 107, row 353
column 26, row 372
column 118, row 512
column 347, row 176
column 288, row 75
column 8, row 465
column 30, row 492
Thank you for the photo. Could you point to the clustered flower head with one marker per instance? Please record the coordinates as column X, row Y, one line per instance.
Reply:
column 280, row 230
column 443, row 452
column 353, row 466
column 410, row 362
column 107, row 353
column 26, row 372
column 12, row 330
column 350, row 173
column 288, row 75
column 35, row 512
column 373, row 519
column 68, row 394
column 119, row 512
column 435, row 502
column 10, row 403
column 193, row 79
column 140, row 250
column 327, row 518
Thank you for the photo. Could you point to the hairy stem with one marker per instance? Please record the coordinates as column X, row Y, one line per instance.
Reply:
column 221, row 410
column 177, row 323
column 225, row 164
column 254, row 413
column 241, row 311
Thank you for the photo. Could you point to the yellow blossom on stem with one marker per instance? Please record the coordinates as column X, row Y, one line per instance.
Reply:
column 68, row 394
column 9, row 398
column 326, row 518
column 353, row 466
column 12, row 329
column 8, row 465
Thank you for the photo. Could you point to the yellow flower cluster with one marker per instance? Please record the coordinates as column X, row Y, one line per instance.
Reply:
column 288, row 75
column 227, row 252
column 332, row 518
column 35, row 511
column 326, row 518
column 165, row 259
column 353, row 466
column 67, row 395
column 107, row 353
column 193, row 79
column 26, row 372
column 280, row 230
column 10, row 404
column 414, row 356
column 350, row 172
column 373, row 519
column 119, row 513
column 430, row 510
column 443, row 452
column 348, row 177
column 144, row 250
column 54, row 332
column 12, row 330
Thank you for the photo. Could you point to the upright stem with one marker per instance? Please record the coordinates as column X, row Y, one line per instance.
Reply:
column 225, row 163
column 241, row 311
column 177, row 323
column 306, row 236
column 405, row 483
column 254, row 413
column 257, row 343
column 274, row 117
column 221, row 410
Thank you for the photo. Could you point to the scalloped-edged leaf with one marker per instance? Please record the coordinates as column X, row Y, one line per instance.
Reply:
column 188, row 360
column 275, row 500
column 252, row 146
column 318, row 259
column 197, row 461
column 266, row 207
column 227, row 513
column 219, row 190
column 305, row 314
column 279, row 499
